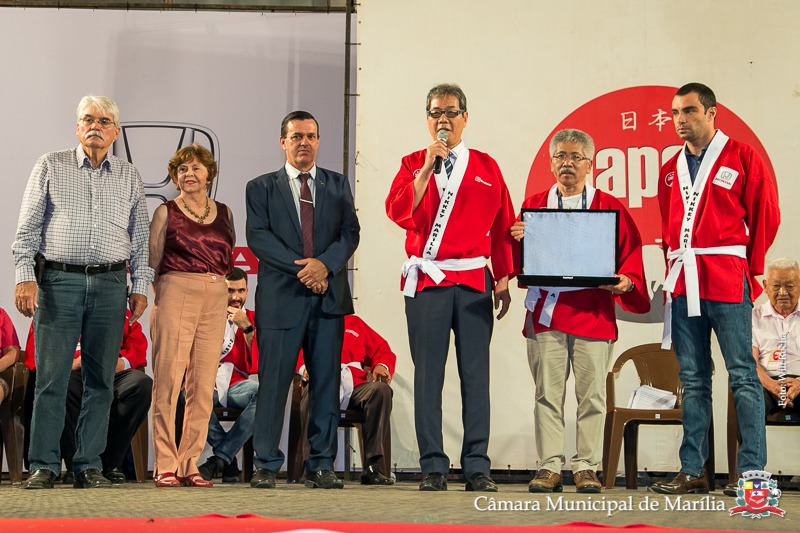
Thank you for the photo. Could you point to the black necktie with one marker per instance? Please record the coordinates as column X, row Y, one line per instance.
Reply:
column 306, row 215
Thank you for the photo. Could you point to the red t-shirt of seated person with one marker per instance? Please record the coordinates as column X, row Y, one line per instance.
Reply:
column 8, row 335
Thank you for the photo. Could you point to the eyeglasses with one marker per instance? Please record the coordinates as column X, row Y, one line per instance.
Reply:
column 575, row 157
column 104, row 122
column 449, row 113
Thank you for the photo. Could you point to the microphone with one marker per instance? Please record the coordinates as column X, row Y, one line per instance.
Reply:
column 437, row 163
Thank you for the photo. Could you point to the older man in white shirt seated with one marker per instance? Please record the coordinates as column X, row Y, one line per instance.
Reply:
column 776, row 344
column 776, row 339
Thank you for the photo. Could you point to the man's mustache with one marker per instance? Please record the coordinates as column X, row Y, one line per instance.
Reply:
column 95, row 133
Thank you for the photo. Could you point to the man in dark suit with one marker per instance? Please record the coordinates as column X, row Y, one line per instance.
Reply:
column 302, row 226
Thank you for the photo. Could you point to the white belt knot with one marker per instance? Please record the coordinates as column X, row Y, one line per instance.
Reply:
column 434, row 269
column 686, row 259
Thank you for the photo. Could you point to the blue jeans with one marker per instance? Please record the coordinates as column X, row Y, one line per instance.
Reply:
column 240, row 396
column 691, row 337
column 74, row 306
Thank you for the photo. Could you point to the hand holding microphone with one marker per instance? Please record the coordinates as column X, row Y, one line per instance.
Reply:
column 441, row 135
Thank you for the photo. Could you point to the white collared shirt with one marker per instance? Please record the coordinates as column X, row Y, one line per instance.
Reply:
column 768, row 325
column 294, row 183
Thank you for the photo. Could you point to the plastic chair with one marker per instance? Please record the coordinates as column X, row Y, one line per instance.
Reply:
column 348, row 419
column 779, row 418
column 12, row 419
column 658, row 368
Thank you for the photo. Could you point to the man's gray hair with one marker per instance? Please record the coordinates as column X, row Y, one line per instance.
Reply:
column 105, row 104
column 447, row 89
column 573, row 136
column 784, row 263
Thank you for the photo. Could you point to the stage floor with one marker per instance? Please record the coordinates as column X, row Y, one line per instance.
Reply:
column 513, row 505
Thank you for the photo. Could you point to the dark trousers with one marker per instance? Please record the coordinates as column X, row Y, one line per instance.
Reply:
column 374, row 399
column 320, row 335
column 431, row 315
column 132, row 394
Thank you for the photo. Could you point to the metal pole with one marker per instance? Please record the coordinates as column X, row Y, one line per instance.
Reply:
column 347, row 45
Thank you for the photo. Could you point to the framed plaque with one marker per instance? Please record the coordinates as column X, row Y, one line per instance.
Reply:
column 569, row 247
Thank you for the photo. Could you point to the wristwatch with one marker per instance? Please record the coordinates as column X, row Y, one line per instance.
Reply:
column 249, row 329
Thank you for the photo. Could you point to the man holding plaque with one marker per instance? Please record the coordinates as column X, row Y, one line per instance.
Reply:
column 455, row 207
column 574, row 328
column 719, row 216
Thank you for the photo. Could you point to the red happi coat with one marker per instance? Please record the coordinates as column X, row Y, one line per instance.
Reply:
column 743, row 212
column 361, row 344
column 244, row 359
column 590, row 312
column 478, row 226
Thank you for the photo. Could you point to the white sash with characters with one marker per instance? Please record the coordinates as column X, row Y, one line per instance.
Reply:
column 225, row 370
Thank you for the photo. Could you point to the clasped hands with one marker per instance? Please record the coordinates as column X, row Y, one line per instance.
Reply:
column 792, row 390
column 313, row 275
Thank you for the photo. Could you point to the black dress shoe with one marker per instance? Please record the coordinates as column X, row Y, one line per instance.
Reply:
column 434, row 481
column 68, row 477
column 91, row 478
column 41, row 479
column 211, row 468
column 480, row 483
column 682, row 484
column 323, row 479
column 116, row 476
column 231, row 472
column 373, row 476
column 263, row 479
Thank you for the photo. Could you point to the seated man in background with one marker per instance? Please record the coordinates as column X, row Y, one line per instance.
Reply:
column 9, row 350
column 132, row 393
column 776, row 344
column 363, row 347
column 776, row 334
column 238, row 359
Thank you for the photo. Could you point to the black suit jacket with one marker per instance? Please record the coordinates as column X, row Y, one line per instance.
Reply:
column 274, row 236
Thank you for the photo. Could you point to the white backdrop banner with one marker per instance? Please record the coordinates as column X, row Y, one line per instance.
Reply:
column 528, row 68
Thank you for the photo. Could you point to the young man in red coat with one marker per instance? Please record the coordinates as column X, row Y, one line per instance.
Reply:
column 719, row 216
column 238, row 359
column 575, row 328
